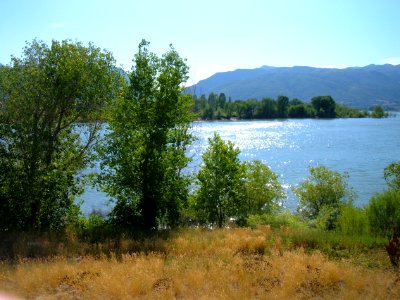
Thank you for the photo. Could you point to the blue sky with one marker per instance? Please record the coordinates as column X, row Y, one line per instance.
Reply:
column 215, row 35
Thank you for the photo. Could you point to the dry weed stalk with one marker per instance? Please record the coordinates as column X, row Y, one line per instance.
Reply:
column 197, row 264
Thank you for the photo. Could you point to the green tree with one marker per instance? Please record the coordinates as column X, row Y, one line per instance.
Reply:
column 392, row 175
column 42, row 146
column 229, row 108
column 221, row 100
column 324, row 106
column 221, row 187
column 213, row 101
column 378, row 112
column 263, row 189
column 324, row 191
column 283, row 106
column 297, row 111
column 246, row 109
column 267, row 109
column 144, row 154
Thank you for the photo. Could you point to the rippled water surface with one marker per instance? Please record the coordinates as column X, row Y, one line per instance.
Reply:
column 361, row 147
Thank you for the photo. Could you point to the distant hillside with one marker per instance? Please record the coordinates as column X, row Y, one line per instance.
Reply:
column 360, row 87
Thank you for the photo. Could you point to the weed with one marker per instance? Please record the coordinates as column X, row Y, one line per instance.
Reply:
column 238, row 263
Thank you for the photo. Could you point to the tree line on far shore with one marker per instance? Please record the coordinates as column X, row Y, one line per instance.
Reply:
column 218, row 107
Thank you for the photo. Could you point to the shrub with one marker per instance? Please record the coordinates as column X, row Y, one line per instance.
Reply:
column 352, row 220
column 383, row 212
column 392, row 175
column 277, row 220
column 323, row 192
column 333, row 243
column 326, row 218
column 262, row 188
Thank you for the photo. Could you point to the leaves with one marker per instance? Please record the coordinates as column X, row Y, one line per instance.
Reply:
column 392, row 175
column 262, row 188
column 323, row 188
column 221, row 182
column 144, row 154
column 45, row 93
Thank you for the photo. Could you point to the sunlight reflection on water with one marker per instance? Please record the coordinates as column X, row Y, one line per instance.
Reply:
column 361, row 147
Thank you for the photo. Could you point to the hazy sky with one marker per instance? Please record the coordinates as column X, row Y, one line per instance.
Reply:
column 215, row 35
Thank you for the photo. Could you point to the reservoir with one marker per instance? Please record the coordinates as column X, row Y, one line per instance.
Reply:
column 360, row 147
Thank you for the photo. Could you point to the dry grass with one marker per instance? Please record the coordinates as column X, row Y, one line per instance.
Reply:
column 201, row 264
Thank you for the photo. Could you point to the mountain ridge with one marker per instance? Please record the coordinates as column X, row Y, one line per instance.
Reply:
column 361, row 87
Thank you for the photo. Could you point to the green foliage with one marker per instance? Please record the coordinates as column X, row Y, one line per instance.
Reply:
column 221, row 187
column 343, row 111
column 42, row 147
column 392, row 175
column 383, row 212
column 216, row 107
column 353, row 220
column 275, row 220
column 94, row 228
column 263, row 189
column 267, row 108
column 144, row 153
column 378, row 112
column 283, row 105
column 297, row 109
column 324, row 106
column 323, row 192
column 333, row 243
column 326, row 218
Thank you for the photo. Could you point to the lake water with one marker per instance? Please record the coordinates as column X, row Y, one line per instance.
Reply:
column 360, row 147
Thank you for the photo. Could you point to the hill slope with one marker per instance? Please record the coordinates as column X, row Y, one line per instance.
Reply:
column 357, row 86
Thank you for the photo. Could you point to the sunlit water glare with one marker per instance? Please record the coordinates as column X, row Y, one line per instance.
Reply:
column 360, row 147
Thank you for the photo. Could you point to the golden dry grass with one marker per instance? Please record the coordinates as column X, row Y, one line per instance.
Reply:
column 200, row 264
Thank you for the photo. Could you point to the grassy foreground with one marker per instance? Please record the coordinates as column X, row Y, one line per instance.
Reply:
column 239, row 263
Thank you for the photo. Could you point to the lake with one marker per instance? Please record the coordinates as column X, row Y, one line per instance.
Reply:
column 360, row 147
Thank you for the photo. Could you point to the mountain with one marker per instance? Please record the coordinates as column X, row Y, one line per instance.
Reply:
column 360, row 87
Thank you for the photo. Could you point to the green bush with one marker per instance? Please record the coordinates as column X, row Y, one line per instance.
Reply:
column 321, row 195
column 333, row 243
column 392, row 175
column 326, row 218
column 285, row 218
column 263, row 190
column 383, row 212
column 352, row 220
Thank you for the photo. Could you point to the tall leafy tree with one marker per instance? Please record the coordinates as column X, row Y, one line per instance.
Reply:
column 221, row 100
column 144, row 154
column 45, row 94
column 221, row 192
column 283, row 106
column 263, row 189
column 267, row 108
column 324, row 106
